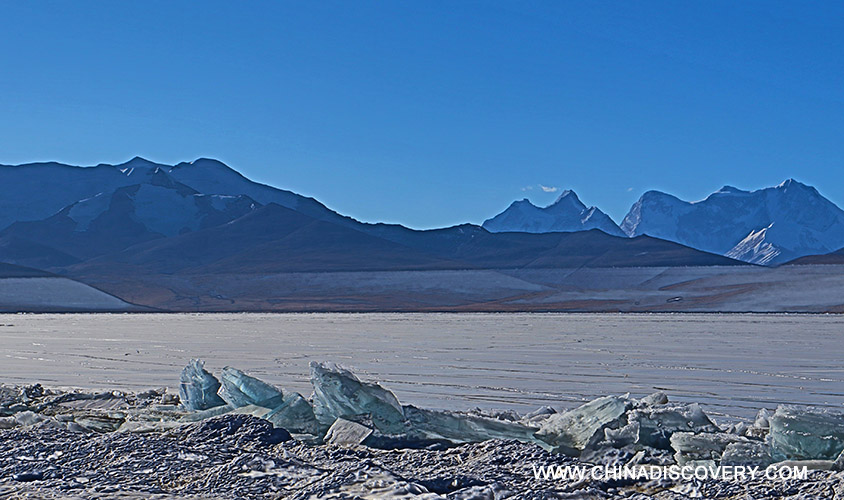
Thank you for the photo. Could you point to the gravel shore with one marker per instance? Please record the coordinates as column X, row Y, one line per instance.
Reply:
column 237, row 457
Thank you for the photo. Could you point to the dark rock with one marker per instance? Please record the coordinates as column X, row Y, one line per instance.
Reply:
column 242, row 429
column 25, row 477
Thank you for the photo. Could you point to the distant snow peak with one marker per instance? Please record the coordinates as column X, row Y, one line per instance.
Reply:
column 566, row 214
column 730, row 190
column 566, row 201
column 137, row 162
column 766, row 226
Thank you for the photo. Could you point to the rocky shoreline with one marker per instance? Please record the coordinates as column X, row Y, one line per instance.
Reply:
column 237, row 437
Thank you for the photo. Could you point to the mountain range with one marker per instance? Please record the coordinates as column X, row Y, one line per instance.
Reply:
column 768, row 226
column 200, row 236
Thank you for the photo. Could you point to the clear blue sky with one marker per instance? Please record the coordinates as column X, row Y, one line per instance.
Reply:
column 433, row 113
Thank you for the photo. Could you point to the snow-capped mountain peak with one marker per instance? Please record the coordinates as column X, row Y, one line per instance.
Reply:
column 566, row 214
column 567, row 201
column 727, row 189
column 137, row 162
column 766, row 226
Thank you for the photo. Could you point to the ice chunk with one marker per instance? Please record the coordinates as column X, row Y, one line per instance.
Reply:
column 8, row 422
column 541, row 412
column 763, row 419
column 658, row 423
column 295, row 414
column 655, row 399
column 201, row 415
column 753, row 453
column 239, row 389
column 623, row 436
column 29, row 418
column 346, row 433
column 709, row 446
column 510, row 415
column 806, row 433
column 339, row 393
column 464, row 428
column 100, row 423
column 740, row 429
column 198, row 388
column 571, row 431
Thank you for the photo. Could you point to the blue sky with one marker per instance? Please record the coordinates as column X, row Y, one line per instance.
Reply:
column 433, row 113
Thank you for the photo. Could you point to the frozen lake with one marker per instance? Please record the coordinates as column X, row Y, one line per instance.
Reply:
column 731, row 363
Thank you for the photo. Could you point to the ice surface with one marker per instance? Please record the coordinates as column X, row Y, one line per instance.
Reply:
column 571, row 431
column 798, row 433
column 733, row 386
column 339, row 393
column 239, row 389
column 198, row 388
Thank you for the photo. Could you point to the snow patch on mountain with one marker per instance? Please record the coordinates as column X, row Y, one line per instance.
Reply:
column 756, row 248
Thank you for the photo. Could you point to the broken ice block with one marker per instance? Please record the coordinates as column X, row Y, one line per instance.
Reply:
column 101, row 423
column 806, row 433
column 623, row 436
column 201, row 415
column 239, row 389
column 8, row 422
column 753, row 453
column 339, row 393
column 540, row 413
column 658, row 423
column 571, row 431
column 346, row 433
column 29, row 418
column 464, row 428
column 198, row 388
column 691, row 447
column 763, row 419
column 655, row 399
column 295, row 414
